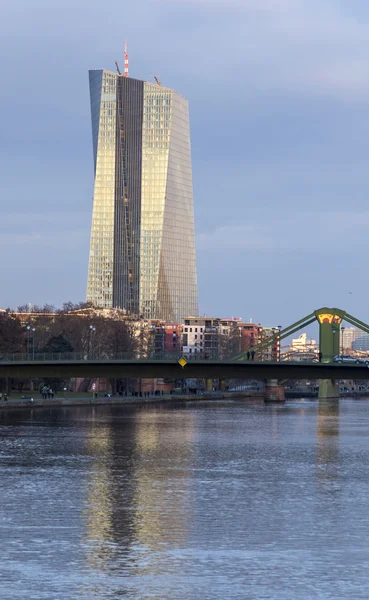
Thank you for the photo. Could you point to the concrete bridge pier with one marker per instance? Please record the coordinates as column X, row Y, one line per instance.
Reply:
column 328, row 388
column 222, row 385
column 273, row 391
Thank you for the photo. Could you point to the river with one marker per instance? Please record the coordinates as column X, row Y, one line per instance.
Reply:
column 198, row 501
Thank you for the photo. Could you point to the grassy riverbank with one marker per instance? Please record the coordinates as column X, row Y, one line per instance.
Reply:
column 85, row 399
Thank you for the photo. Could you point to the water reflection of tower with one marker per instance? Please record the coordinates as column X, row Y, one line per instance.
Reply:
column 328, row 439
column 164, row 458
column 137, row 491
column 110, row 487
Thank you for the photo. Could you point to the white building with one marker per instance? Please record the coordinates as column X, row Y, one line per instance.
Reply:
column 302, row 344
column 207, row 335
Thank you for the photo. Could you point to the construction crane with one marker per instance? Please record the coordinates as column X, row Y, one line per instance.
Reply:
column 157, row 81
column 118, row 69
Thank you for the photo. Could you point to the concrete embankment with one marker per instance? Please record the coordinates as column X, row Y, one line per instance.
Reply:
column 343, row 394
column 128, row 400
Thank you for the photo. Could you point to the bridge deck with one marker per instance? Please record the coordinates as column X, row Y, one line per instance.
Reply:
column 171, row 369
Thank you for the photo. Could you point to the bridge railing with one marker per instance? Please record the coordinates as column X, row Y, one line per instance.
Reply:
column 80, row 357
column 83, row 356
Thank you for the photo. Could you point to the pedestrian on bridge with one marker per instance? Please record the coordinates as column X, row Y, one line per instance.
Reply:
column 252, row 354
column 248, row 355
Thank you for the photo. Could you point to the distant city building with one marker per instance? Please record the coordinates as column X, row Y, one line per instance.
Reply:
column 219, row 338
column 249, row 334
column 361, row 342
column 167, row 337
column 302, row 343
column 272, row 351
column 142, row 247
column 301, row 349
column 193, row 335
column 348, row 337
column 211, row 336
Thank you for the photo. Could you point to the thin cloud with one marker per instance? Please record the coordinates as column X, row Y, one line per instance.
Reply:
column 294, row 44
column 314, row 231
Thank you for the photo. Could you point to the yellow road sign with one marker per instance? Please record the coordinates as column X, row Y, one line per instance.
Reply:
column 183, row 362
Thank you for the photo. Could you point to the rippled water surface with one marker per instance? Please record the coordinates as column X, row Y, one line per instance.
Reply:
column 210, row 501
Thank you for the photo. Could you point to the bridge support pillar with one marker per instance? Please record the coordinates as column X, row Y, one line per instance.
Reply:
column 222, row 385
column 328, row 388
column 273, row 391
column 209, row 385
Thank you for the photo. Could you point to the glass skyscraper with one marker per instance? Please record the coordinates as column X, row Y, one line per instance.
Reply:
column 142, row 248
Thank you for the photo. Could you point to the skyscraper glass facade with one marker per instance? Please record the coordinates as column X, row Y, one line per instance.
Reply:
column 142, row 252
column 103, row 91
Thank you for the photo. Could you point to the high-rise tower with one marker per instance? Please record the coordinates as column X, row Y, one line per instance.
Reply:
column 142, row 249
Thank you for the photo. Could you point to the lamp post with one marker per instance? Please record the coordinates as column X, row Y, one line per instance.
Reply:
column 33, row 343
column 279, row 342
column 336, row 343
column 30, row 331
column 90, row 347
column 342, row 341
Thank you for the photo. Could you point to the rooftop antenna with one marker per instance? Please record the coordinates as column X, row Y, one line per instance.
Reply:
column 125, row 59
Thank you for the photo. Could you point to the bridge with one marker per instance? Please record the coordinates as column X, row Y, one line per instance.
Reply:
column 329, row 321
column 199, row 369
column 237, row 367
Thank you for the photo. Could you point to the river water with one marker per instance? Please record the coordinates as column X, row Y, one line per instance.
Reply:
column 209, row 501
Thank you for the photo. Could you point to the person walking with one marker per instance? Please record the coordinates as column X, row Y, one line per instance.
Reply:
column 248, row 355
column 252, row 354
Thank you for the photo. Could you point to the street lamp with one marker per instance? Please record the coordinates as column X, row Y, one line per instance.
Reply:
column 31, row 331
column 92, row 331
column 279, row 342
column 343, row 344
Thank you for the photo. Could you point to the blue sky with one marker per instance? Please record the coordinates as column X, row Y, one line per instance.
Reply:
column 279, row 101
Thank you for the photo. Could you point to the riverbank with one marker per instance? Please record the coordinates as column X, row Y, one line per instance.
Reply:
column 315, row 394
column 126, row 400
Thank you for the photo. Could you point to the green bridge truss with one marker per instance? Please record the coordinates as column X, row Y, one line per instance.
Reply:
column 329, row 320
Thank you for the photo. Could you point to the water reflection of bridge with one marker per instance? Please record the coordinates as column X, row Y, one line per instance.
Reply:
column 328, row 441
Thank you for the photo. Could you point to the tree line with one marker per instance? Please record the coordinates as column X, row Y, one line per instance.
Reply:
column 75, row 328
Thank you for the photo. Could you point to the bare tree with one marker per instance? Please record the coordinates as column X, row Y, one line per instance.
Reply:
column 12, row 337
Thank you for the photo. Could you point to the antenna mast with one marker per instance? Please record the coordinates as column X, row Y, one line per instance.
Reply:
column 125, row 59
